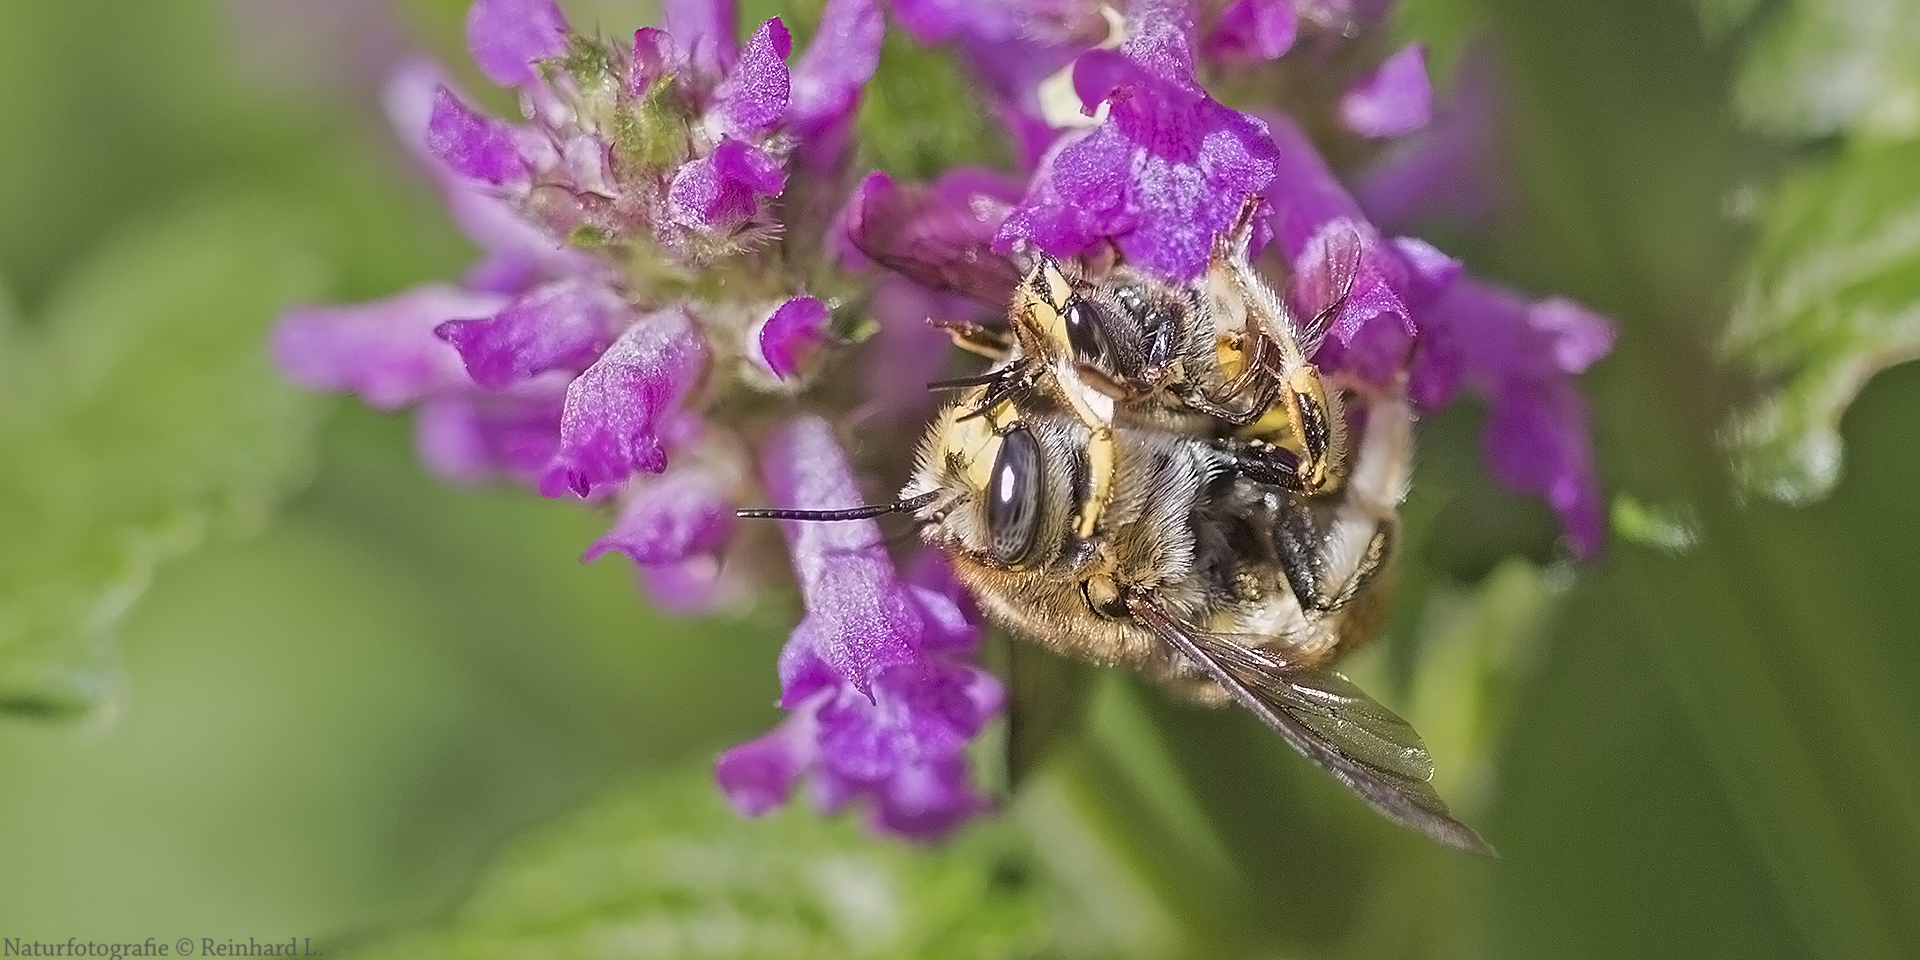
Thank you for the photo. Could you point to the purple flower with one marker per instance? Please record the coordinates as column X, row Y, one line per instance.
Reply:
column 754, row 98
column 516, row 250
column 1250, row 31
column 616, row 411
column 1012, row 46
column 1320, row 228
column 1523, row 357
column 563, row 325
column 704, row 31
column 792, row 333
column 1451, row 168
column 1164, row 174
column 470, row 437
column 721, row 191
column 385, row 352
column 508, row 36
column 883, row 700
column 1395, row 100
column 826, row 82
column 939, row 238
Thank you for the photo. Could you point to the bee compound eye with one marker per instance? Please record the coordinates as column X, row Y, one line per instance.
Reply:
column 1086, row 331
column 1013, row 496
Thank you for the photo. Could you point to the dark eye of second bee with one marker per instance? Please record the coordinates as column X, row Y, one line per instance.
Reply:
column 1013, row 496
column 1086, row 330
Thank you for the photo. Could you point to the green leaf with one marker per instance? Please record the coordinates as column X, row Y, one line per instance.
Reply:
column 667, row 870
column 919, row 116
column 1832, row 66
column 1831, row 296
column 137, row 415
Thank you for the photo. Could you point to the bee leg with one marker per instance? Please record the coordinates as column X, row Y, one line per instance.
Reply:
column 975, row 338
column 1328, row 567
column 1107, row 384
column 1265, row 463
column 1257, row 385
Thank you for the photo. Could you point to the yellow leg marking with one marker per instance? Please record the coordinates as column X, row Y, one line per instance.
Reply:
column 1100, row 470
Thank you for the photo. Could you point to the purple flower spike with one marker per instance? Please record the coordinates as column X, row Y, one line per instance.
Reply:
column 611, row 424
column 566, row 324
column 1251, row 31
column 1163, row 175
column 722, row 190
column 791, row 334
column 384, row 351
column 666, row 520
column 1395, row 101
column 507, row 36
column 880, row 712
column 826, row 82
column 704, row 31
column 1523, row 357
column 754, row 99
column 860, row 618
column 473, row 144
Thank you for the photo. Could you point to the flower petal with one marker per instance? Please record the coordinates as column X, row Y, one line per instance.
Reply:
column 860, row 618
column 615, row 411
column 507, row 36
column 470, row 437
column 754, row 99
column 1453, row 168
column 565, row 324
column 757, row 777
column 473, row 144
column 826, row 82
column 1523, row 357
column 721, row 191
column 704, row 31
column 1167, row 170
column 653, row 57
column 1536, row 441
column 1251, row 31
column 667, row 519
column 1395, row 100
column 515, row 249
column 1391, row 281
column 384, row 351
column 791, row 334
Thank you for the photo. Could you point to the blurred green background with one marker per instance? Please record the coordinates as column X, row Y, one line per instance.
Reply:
column 325, row 720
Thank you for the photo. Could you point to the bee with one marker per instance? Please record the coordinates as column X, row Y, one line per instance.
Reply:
column 1182, row 576
column 1223, row 354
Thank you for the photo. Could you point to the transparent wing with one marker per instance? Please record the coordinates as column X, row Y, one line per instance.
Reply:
column 1335, row 724
column 1324, row 286
column 912, row 232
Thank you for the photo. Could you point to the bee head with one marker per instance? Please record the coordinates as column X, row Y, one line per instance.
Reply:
column 1002, row 484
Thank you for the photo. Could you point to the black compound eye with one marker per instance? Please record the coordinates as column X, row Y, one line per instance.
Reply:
column 1013, row 496
column 1086, row 331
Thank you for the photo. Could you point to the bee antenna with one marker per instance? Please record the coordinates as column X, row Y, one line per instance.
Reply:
column 867, row 512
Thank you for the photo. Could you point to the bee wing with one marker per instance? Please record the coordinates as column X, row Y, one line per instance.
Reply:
column 912, row 232
column 1324, row 286
column 1330, row 721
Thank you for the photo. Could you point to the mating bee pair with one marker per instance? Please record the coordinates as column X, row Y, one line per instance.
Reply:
column 1156, row 475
